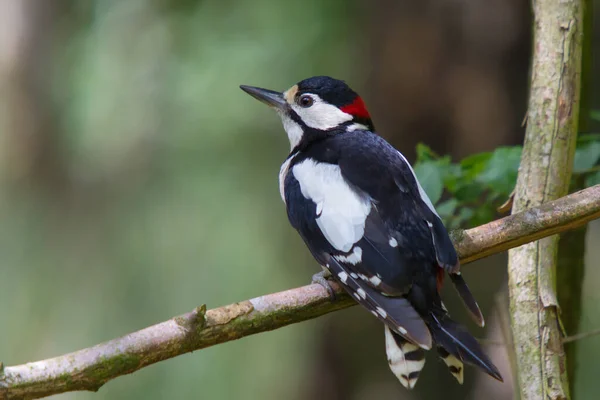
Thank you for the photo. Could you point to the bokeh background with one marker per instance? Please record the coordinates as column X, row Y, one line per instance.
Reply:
column 138, row 182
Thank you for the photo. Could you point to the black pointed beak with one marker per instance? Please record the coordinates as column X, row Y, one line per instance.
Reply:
column 269, row 97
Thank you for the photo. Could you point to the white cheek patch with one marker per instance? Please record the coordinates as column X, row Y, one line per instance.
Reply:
column 343, row 210
column 321, row 115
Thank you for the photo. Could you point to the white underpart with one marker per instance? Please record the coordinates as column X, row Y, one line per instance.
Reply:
column 343, row 210
column 321, row 115
column 293, row 130
column 400, row 366
column 422, row 193
column 393, row 242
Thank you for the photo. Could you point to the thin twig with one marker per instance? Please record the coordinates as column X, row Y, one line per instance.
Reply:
column 530, row 225
column 568, row 339
column 580, row 336
column 90, row 368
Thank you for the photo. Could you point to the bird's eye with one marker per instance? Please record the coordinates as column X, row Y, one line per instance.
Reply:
column 305, row 101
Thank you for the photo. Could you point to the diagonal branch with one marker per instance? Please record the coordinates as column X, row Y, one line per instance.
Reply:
column 90, row 368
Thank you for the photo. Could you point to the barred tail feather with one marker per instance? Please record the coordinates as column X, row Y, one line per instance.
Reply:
column 459, row 343
column 455, row 366
column 406, row 359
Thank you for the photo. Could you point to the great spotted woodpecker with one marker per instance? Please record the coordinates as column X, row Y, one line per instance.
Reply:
column 358, row 206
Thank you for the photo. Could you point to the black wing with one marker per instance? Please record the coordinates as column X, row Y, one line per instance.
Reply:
column 370, row 163
column 400, row 193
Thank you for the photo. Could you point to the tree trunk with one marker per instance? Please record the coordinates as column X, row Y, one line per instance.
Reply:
column 544, row 175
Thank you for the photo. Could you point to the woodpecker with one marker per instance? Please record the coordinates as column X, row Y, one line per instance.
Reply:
column 361, row 211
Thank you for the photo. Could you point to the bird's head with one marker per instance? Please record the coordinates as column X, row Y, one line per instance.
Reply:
column 314, row 108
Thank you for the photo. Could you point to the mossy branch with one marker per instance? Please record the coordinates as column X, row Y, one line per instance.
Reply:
column 90, row 368
column 544, row 175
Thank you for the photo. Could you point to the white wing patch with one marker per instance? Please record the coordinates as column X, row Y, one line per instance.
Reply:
column 354, row 258
column 343, row 210
column 422, row 193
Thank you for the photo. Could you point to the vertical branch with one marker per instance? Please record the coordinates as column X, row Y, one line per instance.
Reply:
column 571, row 249
column 571, row 269
column 544, row 175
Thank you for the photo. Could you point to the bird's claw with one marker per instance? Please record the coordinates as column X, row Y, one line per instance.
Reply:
column 321, row 279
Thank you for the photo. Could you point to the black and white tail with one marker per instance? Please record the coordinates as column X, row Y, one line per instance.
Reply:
column 406, row 359
column 457, row 346
column 454, row 343
column 455, row 366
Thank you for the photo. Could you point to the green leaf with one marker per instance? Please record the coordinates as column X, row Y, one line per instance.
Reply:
column 465, row 214
column 587, row 137
column 475, row 164
column 453, row 177
column 469, row 191
column 430, row 175
column 447, row 208
column 586, row 156
column 593, row 179
column 483, row 214
column 424, row 153
column 500, row 174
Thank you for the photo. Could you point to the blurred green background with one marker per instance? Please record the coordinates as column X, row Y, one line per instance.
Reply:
column 138, row 181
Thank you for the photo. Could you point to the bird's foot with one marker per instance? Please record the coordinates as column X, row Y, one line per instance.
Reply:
column 321, row 279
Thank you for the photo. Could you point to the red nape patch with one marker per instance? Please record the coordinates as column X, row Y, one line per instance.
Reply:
column 440, row 278
column 357, row 108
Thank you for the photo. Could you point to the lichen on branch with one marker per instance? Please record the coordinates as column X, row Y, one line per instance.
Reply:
column 90, row 368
